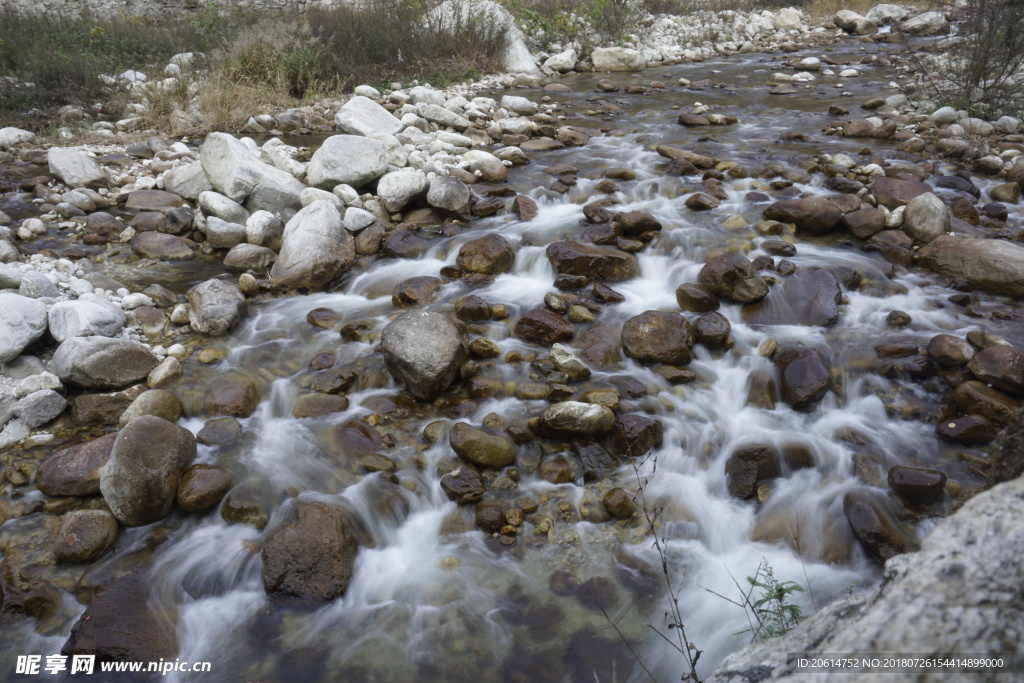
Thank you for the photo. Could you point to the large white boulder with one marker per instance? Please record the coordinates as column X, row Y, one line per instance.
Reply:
column 235, row 171
column 316, row 248
column 926, row 24
column 397, row 189
column 75, row 168
column 347, row 159
column 22, row 321
column 488, row 14
column 362, row 116
column 88, row 316
column 10, row 136
column 618, row 59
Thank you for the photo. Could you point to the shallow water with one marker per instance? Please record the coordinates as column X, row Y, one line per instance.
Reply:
column 433, row 598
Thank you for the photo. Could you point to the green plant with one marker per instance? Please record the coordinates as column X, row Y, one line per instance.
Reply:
column 776, row 614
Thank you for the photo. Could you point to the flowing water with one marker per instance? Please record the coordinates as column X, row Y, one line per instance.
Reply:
column 435, row 599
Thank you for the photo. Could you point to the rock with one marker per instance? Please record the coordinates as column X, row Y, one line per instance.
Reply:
column 158, row 402
column 950, row 351
column 101, row 363
column 396, row 190
column 12, row 137
column 156, row 245
column 215, row 307
column 853, row 23
column 926, row 218
column 481, row 448
column 733, row 276
column 917, row 484
column 188, row 181
column 140, row 480
column 524, row 207
column 84, row 535
column 250, row 257
column 1007, row 193
column 362, row 116
column 75, row 168
column 875, row 527
column 416, row 291
column 315, row 249
column 442, row 117
column 750, row 466
column 969, row 430
column 463, row 484
column 423, row 351
column 234, row 395
column 491, row 255
column 543, row 326
column 39, row 407
column 563, row 62
column 223, row 235
column 166, row 372
column 893, row 193
column 926, row 24
column 618, row 59
column 696, row 299
column 567, row 362
column 804, row 376
column 916, row 608
column 810, row 297
column 22, row 321
column 152, row 200
column 88, row 316
column 990, row 264
column 864, row 223
column 35, row 285
column 75, row 470
column 596, row 263
column 812, row 216
column 574, row 419
column 618, row 504
column 310, row 552
column 658, row 337
column 451, row 195
column 121, row 623
column 634, row 435
column 700, row 201
column 712, row 329
column 264, row 229
column 976, row 398
column 1001, row 367
column 236, row 172
column 201, row 487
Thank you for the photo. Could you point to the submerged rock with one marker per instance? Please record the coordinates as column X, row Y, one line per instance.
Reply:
column 310, row 553
column 658, row 337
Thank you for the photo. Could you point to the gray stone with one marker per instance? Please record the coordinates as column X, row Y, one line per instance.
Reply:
column 75, row 168
column 75, row 470
column 397, row 189
column 250, row 257
column 917, row 609
column 215, row 307
column 443, row 117
column 11, row 137
column 362, row 116
column 423, row 350
column 187, row 180
column 101, row 363
column 35, row 285
column 40, row 407
column 84, row 535
column 926, row 218
column 88, row 316
column 994, row 265
column 451, row 195
column 264, row 229
column 618, row 59
column 347, row 159
column 140, row 480
column 223, row 235
column 235, row 171
column 216, row 204
column 22, row 321
column 926, row 24
column 315, row 249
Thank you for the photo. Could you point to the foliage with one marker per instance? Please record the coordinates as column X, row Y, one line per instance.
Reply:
column 776, row 615
column 981, row 69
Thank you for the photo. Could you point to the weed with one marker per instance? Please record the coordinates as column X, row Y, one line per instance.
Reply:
column 777, row 615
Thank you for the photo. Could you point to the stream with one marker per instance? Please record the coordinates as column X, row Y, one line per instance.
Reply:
column 574, row 595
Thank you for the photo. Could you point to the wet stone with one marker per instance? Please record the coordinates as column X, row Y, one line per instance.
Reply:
column 917, row 484
column 750, row 466
column 969, row 430
column 618, row 503
column 319, row 405
column 201, row 487
column 463, row 485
